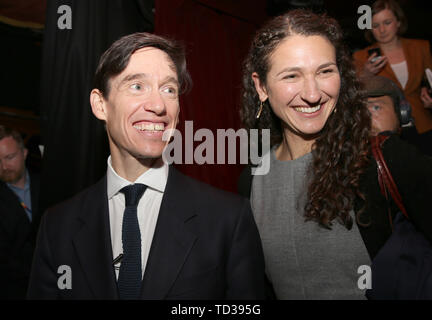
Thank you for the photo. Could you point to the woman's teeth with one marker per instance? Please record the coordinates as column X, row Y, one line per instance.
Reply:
column 150, row 126
column 308, row 109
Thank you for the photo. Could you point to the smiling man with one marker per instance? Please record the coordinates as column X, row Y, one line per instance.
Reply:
column 145, row 231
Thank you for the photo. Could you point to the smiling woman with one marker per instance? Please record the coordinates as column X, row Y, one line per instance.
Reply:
column 302, row 87
column 319, row 210
column 300, row 69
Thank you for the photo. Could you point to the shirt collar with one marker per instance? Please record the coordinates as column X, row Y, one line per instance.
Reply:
column 155, row 178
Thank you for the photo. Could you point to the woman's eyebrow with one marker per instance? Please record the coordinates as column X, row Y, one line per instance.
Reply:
column 324, row 65
column 289, row 70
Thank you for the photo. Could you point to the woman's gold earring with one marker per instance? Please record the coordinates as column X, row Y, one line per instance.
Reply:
column 259, row 110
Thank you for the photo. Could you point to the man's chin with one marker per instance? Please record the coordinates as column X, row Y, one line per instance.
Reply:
column 151, row 162
column 149, row 155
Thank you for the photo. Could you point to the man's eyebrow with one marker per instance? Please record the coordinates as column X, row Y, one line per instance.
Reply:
column 131, row 77
column 375, row 99
column 136, row 76
column 328, row 64
column 169, row 79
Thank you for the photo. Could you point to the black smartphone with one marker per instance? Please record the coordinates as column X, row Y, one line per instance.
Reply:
column 377, row 51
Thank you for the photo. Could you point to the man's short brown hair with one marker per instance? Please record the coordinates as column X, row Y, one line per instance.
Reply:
column 9, row 132
column 116, row 58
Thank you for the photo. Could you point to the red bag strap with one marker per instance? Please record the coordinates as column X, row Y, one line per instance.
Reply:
column 385, row 177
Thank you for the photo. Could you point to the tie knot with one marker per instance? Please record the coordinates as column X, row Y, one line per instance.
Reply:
column 133, row 193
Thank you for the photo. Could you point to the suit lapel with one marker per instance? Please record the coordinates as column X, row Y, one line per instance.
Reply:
column 408, row 54
column 410, row 60
column 93, row 243
column 172, row 241
column 390, row 74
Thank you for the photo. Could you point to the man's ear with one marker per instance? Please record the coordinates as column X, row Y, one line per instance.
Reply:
column 98, row 104
column 259, row 87
column 25, row 151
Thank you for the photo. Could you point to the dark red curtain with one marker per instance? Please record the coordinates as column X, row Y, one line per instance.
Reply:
column 24, row 11
column 76, row 146
column 217, row 35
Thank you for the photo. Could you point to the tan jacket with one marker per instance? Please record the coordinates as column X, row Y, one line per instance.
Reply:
column 418, row 56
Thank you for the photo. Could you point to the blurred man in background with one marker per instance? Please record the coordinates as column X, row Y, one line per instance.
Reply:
column 19, row 190
column 390, row 112
column 384, row 104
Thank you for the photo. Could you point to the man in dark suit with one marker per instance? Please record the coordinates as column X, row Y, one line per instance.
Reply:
column 146, row 231
column 19, row 193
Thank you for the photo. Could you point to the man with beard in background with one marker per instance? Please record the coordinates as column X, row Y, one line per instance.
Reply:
column 19, row 190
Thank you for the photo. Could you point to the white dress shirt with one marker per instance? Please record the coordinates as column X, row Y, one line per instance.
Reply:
column 148, row 207
column 401, row 72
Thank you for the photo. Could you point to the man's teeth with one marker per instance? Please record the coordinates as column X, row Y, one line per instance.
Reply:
column 308, row 110
column 150, row 126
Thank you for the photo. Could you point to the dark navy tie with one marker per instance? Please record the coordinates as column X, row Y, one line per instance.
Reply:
column 130, row 275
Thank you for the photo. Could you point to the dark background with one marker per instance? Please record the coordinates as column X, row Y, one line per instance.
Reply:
column 46, row 73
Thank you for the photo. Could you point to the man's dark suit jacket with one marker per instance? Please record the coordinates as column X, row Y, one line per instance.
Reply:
column 205, row 246
column 17, row 240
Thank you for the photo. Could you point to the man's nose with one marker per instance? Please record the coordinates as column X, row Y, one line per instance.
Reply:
column 3, row 165
column 311, row 92
column 155, row 103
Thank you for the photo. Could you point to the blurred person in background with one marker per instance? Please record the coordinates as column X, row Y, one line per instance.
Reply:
column 19, row 191
column 390, row 111
column 401, row 60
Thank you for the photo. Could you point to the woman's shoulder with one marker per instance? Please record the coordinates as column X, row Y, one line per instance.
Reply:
column 244, row 183
column 416, row 43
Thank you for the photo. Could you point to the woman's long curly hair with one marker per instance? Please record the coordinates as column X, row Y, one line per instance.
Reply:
column 340, row 153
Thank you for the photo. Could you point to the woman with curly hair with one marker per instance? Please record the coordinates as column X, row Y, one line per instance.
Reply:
column 319, row 209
